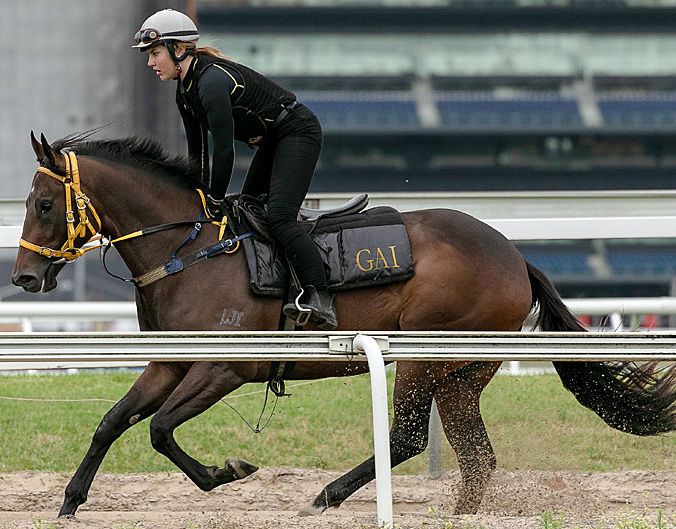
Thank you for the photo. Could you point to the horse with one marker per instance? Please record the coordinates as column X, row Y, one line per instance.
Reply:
column 468, row 277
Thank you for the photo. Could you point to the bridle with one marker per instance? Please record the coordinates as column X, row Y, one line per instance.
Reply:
column 71, row 182
column 69, row 252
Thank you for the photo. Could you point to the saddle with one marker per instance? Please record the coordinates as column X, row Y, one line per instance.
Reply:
column 255, row 211
column 359, row 248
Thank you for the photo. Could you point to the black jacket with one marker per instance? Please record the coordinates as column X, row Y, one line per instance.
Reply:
column 232, row 102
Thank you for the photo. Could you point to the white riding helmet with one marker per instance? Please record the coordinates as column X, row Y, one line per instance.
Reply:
column 163, row 26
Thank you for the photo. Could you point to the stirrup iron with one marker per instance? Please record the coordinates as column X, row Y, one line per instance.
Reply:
column 303, row 314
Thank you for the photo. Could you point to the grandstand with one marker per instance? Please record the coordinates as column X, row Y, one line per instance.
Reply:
column 484, row 96
column 418, row 96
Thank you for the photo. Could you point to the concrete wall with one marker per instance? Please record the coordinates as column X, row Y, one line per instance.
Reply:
column 68, row 67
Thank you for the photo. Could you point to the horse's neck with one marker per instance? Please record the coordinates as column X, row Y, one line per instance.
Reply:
column 128, row 201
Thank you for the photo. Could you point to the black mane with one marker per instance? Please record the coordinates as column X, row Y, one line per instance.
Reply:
column 142, row 153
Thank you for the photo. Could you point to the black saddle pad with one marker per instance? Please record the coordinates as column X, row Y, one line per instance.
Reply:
column 359, row 250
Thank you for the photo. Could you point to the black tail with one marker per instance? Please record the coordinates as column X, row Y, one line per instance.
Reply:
column 637, row 399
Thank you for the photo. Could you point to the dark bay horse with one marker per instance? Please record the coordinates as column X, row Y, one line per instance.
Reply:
column 468, row 277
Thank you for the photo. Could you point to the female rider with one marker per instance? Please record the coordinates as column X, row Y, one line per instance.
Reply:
column 234, row 102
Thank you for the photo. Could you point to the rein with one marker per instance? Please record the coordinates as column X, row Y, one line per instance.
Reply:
column 69, row 252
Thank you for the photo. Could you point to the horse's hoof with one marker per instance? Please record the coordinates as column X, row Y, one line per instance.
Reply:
column 311, row 510
column 240, row 467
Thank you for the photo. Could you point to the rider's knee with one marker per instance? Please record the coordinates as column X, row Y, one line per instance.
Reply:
column 282, row 217
column 286, row 230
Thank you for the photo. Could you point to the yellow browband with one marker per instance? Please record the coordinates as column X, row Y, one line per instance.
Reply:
column 71, row 182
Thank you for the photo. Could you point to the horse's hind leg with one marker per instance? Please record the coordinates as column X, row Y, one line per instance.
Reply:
column 142, row 400
column 458, row 402
column 413, row 393
column 204, row 385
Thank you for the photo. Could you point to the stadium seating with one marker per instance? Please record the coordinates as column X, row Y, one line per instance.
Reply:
column 637, row 262
column 546, row 111
column 645, row 111
column 646, row 263
column 367, row 110
column 559, row 263
column 355, row 104
column 363, row 110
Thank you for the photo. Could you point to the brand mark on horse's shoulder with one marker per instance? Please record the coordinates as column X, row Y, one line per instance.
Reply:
column 366, row 263
column 235, row 318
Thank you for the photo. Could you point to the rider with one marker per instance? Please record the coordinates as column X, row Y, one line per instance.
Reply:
column 232, row 101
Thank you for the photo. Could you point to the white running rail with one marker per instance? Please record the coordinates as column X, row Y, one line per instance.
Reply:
column 531, row 229
column 112, row 310
column 429, row 346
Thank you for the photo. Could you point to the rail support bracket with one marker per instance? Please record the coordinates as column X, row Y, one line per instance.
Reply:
column 345, row 344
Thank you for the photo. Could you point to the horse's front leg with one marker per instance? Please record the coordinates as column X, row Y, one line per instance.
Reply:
column 204, row 385
column 146, row 395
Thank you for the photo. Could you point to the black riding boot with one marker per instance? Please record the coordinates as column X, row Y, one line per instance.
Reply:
column 320, row 303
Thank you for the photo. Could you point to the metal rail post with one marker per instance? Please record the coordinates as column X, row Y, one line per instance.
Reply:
column 434, row 442
column 381, row 438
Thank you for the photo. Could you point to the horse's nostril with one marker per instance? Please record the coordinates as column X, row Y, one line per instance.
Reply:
column 23, row 280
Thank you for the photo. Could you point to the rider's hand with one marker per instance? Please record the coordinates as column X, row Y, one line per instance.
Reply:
column 215, row 207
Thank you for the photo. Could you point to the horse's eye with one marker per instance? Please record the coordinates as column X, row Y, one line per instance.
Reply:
column 44, row 206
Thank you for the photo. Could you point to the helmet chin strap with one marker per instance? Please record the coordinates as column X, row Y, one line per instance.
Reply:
column 172, row 53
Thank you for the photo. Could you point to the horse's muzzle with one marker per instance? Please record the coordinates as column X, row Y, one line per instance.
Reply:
column 33, row 283
column 28, row 282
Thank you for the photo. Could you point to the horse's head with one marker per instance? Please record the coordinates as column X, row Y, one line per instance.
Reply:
column 45, row 228
column 124, row 175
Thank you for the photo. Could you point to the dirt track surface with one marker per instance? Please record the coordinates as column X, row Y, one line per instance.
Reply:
column 271, row 498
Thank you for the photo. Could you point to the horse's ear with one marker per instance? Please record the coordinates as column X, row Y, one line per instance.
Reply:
column 37, row 147
column 48, row 153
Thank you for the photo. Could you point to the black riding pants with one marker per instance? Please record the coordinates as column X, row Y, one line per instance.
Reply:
column 283, row 168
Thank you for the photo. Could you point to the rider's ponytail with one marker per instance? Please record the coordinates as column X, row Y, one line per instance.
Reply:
column 211, row 52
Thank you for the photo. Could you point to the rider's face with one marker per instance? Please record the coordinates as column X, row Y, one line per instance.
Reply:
column 160, row 61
